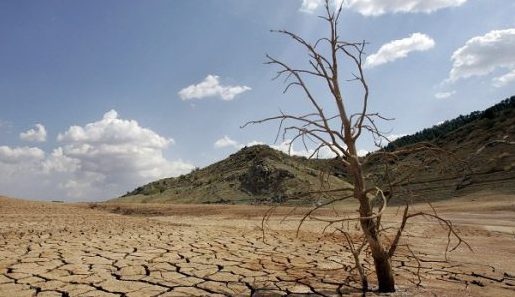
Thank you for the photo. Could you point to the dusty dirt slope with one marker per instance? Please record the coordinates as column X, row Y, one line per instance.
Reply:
column 53, row 249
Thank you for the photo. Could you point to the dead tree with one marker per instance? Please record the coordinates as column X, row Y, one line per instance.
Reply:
column 339, row 133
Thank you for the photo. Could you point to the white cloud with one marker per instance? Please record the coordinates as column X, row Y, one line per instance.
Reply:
column 323, row 153
column 393, row 137
column 379, row 7
column 444, row 95
column 310, row 6
column 59, row 162
column 400, row 48
column 362, row 153
column 255, row 142
column 38, row 134
column 482, row 55
column 113, row 131
column 100, row 160
column 21, row 176
column 284, row 147
column 211, row 87
column 20, row 154
column 119, row 152
column 504, row 80
column 227, row 142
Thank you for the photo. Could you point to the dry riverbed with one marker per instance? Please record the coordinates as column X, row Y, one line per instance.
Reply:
column 55, row 249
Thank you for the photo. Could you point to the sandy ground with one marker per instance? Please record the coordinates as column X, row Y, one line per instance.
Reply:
column 55, row 249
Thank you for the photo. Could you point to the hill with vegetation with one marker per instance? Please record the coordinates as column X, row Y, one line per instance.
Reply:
column 254, row 175
column 481, row 120
column 478, row 157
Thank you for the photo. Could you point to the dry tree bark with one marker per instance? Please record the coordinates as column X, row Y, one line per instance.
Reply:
column 339, row 133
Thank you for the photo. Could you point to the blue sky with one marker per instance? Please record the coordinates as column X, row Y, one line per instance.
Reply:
column 104, row 79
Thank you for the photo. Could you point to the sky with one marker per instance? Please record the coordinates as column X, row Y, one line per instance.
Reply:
column 99, row 97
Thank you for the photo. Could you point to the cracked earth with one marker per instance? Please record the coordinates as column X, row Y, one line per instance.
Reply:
column 54, row 249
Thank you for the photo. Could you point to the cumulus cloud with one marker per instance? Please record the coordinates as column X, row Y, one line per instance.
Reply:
column 119, row 152
column 211, row 87
column 379, row 7
column 444, row 95
column 363, row 153
column 20, row 169
column 284, row 146
column 38, row 134
column 113, row 131
column 255, row 142
column 400, row 48
column 18, row 155
column 99, row 160
column 482, row 55
column 504, row 80
column 227, row 142
column 57, row 161
column 393, row 137
column 310, row 6
column 323, row 153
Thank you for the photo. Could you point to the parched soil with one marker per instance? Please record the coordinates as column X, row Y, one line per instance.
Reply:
column 56, row 249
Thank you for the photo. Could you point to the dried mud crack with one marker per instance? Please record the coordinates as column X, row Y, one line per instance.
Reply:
column 70, row 250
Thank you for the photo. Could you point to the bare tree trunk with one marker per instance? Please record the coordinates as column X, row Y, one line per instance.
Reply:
column 383, row 267
column 384, row 273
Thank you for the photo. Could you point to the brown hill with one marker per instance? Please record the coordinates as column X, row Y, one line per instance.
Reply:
column 478, row 157
column 256, row 174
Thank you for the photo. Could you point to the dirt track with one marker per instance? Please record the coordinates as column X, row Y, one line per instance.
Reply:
column 51, row 249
